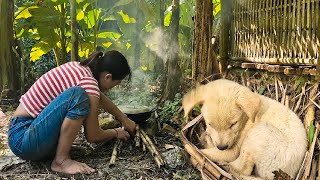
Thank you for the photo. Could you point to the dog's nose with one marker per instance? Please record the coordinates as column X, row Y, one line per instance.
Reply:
column 222, row 147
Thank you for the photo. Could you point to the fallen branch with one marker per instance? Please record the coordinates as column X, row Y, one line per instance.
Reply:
column 114, row 153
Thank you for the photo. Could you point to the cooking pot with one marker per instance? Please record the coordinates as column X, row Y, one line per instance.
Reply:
column 138, row 114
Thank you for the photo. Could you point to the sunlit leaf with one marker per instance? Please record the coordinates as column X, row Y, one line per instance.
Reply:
column 126, row 18
column 128, row 45
column 217, row 9
column 111, row 35
column 23, row 12
column 38, row 50
column 80, row 15
column 91, row 18
column 107, row 44
column 167, row 19
column 20, row 33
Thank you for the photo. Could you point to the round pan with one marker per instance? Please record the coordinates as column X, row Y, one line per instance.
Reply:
column 138, row 114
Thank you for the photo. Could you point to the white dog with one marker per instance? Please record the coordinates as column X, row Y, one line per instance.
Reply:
column 254, row 134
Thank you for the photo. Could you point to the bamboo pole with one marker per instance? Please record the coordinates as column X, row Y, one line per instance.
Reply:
column 137, row 137
column 148, row 141
column 114, row 153
column 157, row 158
column 310, row 114
column 310, row 154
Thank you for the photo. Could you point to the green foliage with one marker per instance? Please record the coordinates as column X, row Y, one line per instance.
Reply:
column 312, row 130
column 300, row 82
column 169, row 109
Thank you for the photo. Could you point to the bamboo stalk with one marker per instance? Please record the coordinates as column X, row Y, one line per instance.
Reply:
column 298, row 103
column 311, row 152
column 303, row 166
column 114, row 153
column 310, row 114
column 137, row 137
column 151, row 150
column 276, row 88
column 286, row 103
column 313, row 170
column 153, row 147
column 201, row 161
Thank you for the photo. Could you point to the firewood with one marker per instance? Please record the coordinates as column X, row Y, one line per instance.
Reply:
column 114, row 153
column 137, row 137
column 157, row 157
column 153, row 147
column 199, row 160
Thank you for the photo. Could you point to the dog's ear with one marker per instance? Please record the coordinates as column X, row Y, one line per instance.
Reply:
column 249, row 102
column 192, row 98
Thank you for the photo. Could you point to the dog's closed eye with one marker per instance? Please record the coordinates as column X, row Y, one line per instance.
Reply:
column 233, row 124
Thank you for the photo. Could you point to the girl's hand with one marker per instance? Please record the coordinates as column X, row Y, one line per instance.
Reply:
column 121, row 134
column 129, row 126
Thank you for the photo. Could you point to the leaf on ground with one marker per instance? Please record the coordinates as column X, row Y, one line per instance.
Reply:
column 280, row 175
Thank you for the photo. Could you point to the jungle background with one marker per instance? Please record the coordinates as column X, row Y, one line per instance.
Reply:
column 171, row 45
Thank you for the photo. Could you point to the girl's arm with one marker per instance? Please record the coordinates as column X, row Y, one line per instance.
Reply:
column 111, row 108
column 93, row 131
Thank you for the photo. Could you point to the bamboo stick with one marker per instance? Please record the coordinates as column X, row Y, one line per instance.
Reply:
column 114, row 153
column 298, row 103
column 137, row 137
column 151, row 145
column 201, row 161
column 157, row 158
column 311, row 152
column 274, row 60
column 313, row 170
column 310, row 114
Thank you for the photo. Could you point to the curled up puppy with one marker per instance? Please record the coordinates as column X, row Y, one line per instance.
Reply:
column 255, row 135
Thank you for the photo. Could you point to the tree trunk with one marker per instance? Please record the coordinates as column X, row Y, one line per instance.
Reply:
column 159, row 65
column 204, row 61
column 173, row 80
column 74, row 32
column 8, row 61
column 63, row 35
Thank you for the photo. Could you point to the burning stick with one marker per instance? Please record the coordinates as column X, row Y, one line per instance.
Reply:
column 115, row 152
column 151, row 147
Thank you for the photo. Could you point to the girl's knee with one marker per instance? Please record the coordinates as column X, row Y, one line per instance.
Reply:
column 80, row 103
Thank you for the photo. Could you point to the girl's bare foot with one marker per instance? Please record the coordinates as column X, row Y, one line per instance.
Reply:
column 69, row 166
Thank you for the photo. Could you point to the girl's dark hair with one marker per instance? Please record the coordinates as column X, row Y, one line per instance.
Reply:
column 112, row 61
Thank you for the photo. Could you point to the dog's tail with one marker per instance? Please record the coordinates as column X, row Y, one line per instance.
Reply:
column 192, row 98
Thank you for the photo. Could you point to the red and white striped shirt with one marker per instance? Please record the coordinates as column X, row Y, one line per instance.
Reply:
column 56, row 81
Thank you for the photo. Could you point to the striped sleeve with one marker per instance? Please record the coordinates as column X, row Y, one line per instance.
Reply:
column 90, row 85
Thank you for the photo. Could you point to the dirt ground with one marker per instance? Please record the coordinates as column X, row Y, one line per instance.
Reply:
column 132, row 162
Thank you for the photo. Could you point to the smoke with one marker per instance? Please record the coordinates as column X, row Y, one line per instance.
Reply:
column 159, row 42
column 137, row 92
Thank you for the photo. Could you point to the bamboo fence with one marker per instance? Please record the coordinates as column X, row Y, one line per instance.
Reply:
column 283, row 32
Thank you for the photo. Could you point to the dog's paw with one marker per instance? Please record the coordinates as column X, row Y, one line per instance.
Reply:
column 212, row 155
